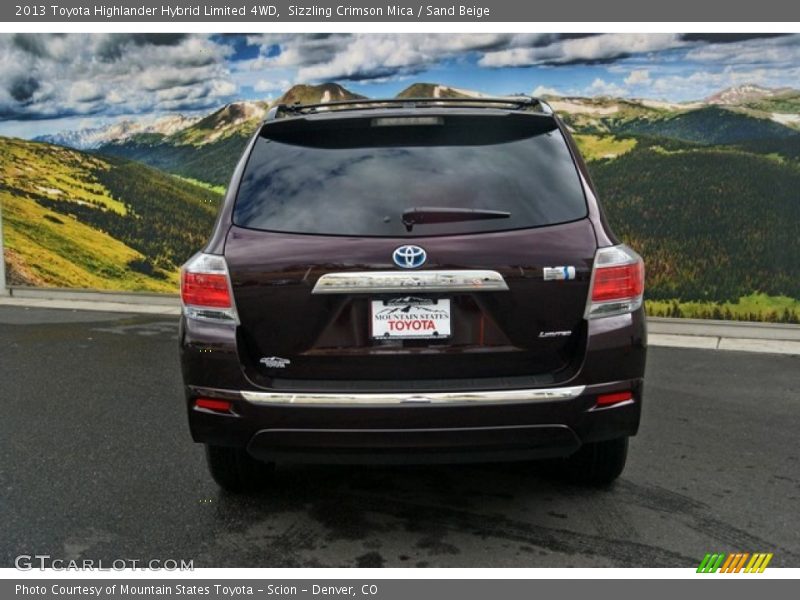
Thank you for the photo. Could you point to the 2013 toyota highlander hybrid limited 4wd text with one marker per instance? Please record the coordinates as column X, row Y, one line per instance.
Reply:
column 407, row 281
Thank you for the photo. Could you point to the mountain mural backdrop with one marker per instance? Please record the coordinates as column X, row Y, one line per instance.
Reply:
column 707, row 191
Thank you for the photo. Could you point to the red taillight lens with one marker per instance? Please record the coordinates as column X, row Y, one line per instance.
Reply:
column 615, row 398
column 617, row 282
column 215, row 405
column 614, row 283
column 205, row 289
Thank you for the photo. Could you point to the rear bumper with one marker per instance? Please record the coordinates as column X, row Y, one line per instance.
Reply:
column 417, row 421
column 407, row 428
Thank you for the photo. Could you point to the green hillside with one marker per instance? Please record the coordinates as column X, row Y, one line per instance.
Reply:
column 713, row 223
column 76, row 220
column 603, row 115
column 603, row 147
column 709, row 125
column 787, row 102
column 211, row 163
column 780, row 149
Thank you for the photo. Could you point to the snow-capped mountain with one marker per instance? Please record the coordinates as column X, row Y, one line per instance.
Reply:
column 742, row 94
column 237, row 118
column 91, row 138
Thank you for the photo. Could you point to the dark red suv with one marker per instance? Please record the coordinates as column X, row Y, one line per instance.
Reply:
column 410, row 281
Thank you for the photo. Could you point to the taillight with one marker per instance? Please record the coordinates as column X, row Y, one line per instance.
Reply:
column 206, row 289
column 614, row 398
column 223, row 406
column 617, row 282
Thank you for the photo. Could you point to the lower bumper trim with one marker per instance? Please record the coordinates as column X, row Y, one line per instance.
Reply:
column 413, row 446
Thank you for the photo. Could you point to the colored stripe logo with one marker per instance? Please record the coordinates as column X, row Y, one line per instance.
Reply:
column 738, row 562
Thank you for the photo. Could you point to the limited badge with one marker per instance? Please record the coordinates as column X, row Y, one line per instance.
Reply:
column 555, row 334
column 558, row 273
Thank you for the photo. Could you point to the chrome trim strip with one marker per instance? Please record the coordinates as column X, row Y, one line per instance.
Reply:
column 388, row 398
column 370, row 282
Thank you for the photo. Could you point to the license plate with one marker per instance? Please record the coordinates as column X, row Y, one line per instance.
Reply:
column 410, row 318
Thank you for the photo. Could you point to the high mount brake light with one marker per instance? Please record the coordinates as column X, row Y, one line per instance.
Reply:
column 617, row 282
column 206, row 289
column 407, row 121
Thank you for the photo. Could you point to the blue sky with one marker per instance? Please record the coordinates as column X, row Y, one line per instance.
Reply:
column 52, row 82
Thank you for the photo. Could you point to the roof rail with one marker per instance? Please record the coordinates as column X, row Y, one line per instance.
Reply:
column 515, row 102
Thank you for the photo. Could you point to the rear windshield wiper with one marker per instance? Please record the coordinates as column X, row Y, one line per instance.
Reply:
column 439, row 214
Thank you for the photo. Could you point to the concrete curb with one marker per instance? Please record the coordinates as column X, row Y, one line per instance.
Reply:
column 137, row 299
column 744, row 336
column 773, row 338
column 124, row 302
column 101, row 306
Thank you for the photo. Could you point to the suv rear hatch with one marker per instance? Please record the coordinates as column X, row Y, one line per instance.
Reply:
column 488, row 191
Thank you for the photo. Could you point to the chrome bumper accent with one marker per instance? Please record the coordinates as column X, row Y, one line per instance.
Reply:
column 369, row 282
column 527, row 395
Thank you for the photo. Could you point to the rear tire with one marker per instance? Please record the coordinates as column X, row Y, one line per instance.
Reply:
column 598, row 463
column 236, row 471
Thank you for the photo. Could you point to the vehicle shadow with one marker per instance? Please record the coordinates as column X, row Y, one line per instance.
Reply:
column 424, row 516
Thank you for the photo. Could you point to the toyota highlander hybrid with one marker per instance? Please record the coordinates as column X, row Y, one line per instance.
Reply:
column 407, row 281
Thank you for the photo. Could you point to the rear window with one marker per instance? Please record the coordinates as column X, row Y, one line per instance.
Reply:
column 358, row 176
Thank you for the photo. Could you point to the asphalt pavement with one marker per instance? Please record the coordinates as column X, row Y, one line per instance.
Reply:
column 96, row 462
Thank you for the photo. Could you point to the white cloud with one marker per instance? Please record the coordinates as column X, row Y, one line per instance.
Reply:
column 74, row 75
column 376, row 56
column 700, row 84
column 85, row 91
column 221, row 88
column 542, row 90
column 600, row 87
column 638, row 77
column 597, row 48
column 267, row 86
column 115, row 97
column 774, row 51
column 44, row 75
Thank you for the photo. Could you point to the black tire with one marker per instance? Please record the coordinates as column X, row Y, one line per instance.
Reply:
column 599, row 463
column 236, row 471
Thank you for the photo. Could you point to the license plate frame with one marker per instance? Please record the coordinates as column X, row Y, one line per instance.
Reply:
column 410, row 318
